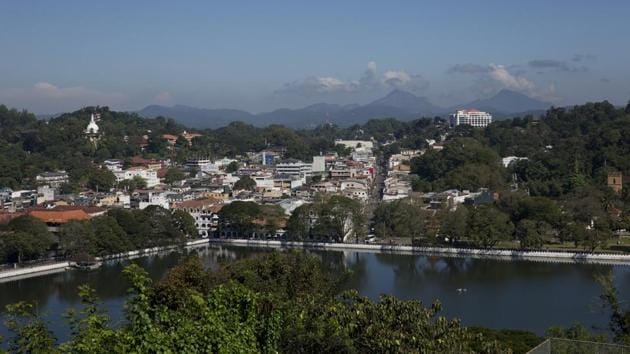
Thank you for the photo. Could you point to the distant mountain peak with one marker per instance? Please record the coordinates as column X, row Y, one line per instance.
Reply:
column 507, row 101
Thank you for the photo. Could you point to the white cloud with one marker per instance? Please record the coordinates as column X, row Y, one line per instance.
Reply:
column 369, row 81
column 49, row 98
column 519, row 83
column 164, row 98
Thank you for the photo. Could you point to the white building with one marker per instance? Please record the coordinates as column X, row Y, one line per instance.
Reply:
column 145, row 198
column 205, row 212
column 53, row 179
column 294, row 168
column 471, row 117
column 319, row 164
column 507, row 161
column 113, row 164
column 45, row 194
column 149, row 175
column 353, row 144
column 203, row 165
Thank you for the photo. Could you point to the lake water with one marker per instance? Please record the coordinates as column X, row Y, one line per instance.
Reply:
column 499, row 294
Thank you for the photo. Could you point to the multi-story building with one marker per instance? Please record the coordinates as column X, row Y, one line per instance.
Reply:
column 54, row 179
column 471, row 117
column 354, row 144
column 201, row 164
column 205, row 212
column 113, row 164
column 294, row 168
column 149, row 175
column 144, row 198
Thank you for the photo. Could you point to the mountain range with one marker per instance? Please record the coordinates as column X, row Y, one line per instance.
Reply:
column 398, row 104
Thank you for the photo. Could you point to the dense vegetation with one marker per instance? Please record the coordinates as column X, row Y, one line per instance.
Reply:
column 288, row 302
column 26, row 238
column 327, row 219
column 281, row 302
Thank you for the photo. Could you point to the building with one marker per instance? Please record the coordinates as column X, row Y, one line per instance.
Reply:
column 471, row 117
column 353, row 144
column 149, row 175
column 205, row 212
column 615, row 181
column 55, row 218
column 507, row 161
column 45, row 194
column 201, row 164
column 144, row 198
column 113, row 164
column 294, row 168
column 319, row 164
column 53, row 179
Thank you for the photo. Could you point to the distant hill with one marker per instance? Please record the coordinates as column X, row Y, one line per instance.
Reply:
column 507, row 102
column 397, row 104
column 406, row 102
column 197, row 117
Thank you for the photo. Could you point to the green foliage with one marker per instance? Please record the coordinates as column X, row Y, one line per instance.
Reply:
column 31, row 333
column 173, row 175
column 328, row 218
column 520, row 342
column 232, row 167
column 288, row 302
column 131, row 185
column 532, row 234
column 245, row 183
column 25, row 238
column 487, row 226
column 185, row 223
column 455, row 224
column 620, row 316
column 464, row 163
column 400, row 218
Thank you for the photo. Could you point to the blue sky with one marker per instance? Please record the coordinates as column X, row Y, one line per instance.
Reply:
column 258, row 55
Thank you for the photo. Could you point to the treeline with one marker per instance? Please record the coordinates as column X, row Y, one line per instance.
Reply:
column 26, row 238
column 516, row 220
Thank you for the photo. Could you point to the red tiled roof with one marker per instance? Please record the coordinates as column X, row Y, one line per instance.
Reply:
column 5, row 217
column 58, row 216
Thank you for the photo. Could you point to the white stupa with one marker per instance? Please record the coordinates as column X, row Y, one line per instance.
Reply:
column 92, row 127
column 91, row 131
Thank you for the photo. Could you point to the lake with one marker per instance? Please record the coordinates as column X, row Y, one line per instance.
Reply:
column 499, row 294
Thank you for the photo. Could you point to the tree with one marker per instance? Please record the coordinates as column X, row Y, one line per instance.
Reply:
column 133, row 184
column 239, row 216
column 619, row 317
column 31, row 333
column 455, row 224
column 487, row 226
column 245, row 183
column 232, row 167
column 21, row 246
column 77, row 239
column 26, row 238
column 532, row 234
column 400, row 218
column 299, row 225
column 173, row 175
column 185, row 222
column 101, row 179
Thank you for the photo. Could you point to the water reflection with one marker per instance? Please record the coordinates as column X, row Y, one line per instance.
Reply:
column 501, row 294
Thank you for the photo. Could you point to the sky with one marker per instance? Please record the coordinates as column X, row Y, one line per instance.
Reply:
column 61, row 55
